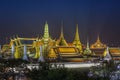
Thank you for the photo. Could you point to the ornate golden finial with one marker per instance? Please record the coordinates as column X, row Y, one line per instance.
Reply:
column 46, row 30
column 76, row 41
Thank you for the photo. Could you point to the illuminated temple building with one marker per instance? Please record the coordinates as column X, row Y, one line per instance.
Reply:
column 46, row 48
column 98, row 44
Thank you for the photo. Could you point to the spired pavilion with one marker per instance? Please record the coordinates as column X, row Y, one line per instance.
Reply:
column 98, row 48
column 48, row 49
column 98, row 44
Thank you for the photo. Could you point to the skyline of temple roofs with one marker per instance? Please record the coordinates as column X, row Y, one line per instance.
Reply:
column 46, row 31
column 76, row 41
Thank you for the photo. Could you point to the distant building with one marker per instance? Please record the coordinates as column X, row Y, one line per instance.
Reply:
column 45, row 48
column 77, row 41
column 98, row 44
column 87, row 51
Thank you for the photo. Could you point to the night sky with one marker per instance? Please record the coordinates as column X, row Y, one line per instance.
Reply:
column 26, row 18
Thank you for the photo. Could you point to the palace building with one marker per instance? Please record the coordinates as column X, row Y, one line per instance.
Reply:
column 46, row 48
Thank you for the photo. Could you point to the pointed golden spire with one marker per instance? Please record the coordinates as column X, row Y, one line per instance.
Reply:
column 62, row 41
column 76, row 41
column 77, row 34
column 98, row 39
column 61, row 34
column 46, row 30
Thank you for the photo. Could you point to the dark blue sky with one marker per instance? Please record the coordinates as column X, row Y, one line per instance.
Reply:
column 27, row 17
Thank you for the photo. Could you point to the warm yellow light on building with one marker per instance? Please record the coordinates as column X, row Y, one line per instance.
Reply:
column 68, row 49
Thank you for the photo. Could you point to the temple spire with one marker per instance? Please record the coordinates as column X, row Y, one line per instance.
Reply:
column 88, row 44
column 98, row 39
column 76, row 41
column 61, row 34
column 46, row 30
column 61, row 41
column 87, row 51
column 98, row 44
column 77, row 34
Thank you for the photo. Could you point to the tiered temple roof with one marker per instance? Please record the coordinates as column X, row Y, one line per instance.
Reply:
column 61, row 41
column 98, row 44
column 67, row 53
column 55, row 49
column 115, row 52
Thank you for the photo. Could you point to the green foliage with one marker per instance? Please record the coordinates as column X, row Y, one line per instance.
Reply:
column 14, row 62
column 104, row 71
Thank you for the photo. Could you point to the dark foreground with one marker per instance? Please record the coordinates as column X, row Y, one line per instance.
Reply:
column 107, row 71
